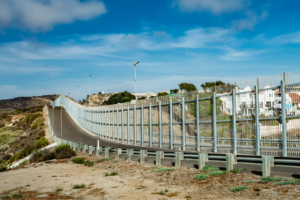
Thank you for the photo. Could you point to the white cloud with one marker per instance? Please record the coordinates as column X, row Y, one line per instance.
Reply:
column 234, row 55
column 214, row 6
column 43, row 15
column 291, row 38
column 251, row 20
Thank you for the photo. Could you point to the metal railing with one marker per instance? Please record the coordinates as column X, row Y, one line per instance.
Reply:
column 196, row 121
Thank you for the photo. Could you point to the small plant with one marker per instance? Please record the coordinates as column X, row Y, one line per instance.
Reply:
column 42, row 142
column 249, row 181
column 239, row 188
column 2, row 168
column 257, row 194
column 217, row 173
column 166, row 190
column 111, row 174
column 78, row 160
column 268, row 179
column 23, row 163
column 235, row 170
column 162, row 192
column 64, row 151
column 58, row 190
column 201, row 176
column 17, row 196
column 289, row 182
column 256, row 188
column 209, row 168
column 77, row 186
column 88, row 163
column 163, row 169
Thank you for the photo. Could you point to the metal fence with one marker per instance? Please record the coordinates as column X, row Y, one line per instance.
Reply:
column 256, row 117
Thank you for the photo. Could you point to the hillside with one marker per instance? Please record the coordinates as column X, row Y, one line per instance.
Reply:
column 27, row 102
column 97, row 99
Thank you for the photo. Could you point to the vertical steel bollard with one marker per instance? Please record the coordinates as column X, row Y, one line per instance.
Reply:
column 117, row 153
column 107, row 150
column 150, row 125
column 160, row 129
column 84, row 148
column 215, row 123
column 105, row 125
column 234, row 121
column 257, row 121
column 91, row 150
column 171, row 124
column 183, row 124
column 143, row 154
column 128, row 126
column 267, row 163
column 231, row 159
column 159, row 156
column 178, row 157
column 122, row 121
column 134, row 118
column 197, row 121
column 142, row 124
column 129, row 154
column 202, row 158
column 113, row 125
column 283, row 119
column 109, row 125
column 118, row 138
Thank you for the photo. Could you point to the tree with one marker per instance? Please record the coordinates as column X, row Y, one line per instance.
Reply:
column 162, row 94
column 142, row 98
column 175, row 91
column 218, row 86
column 187, row 86
column 119, row 98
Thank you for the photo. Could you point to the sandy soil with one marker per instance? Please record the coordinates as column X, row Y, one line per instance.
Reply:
column 134, row 181
column 14, row 118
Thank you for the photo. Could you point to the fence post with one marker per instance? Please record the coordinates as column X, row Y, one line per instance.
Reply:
column 129, row 154
column 143, row 154
column 183, row 124
column 113, row 124
column 171, row 124
column 197, row 121
column 142, row 124
column 283, row 119
column 215, row 123
column 128, row 126
column 159, row 156
column 178, row 157
column 234, row 121
column 202, row 158
column 267, row 163
column 117, row 131
column 150, row 125
column 105, row 124
column 159, row 119
column 257, row 121
column 134, row 118
column 122, row 119
column 118, row 151
column 107, row 149
column 231, row 159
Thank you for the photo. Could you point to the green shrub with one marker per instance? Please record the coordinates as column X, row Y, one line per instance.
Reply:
column 249, row 181
column 7, row 136
column 17, row 196
column 3, row 168
column 268, row 179
column 43, row 155
column 239, row 188
column 163, row 169
column 42, row 142
column 111, row 174
column 217, row 173
column 88, row 163
column 78, row 160
column 64, row 151
column 78, row 186
column 30, row 117
column 209, row 168
column 288, row 182
column 37, row 122
column 201, row 176
column 58, row 190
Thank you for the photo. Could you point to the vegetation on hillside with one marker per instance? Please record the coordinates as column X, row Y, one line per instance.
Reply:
column 187, row 87
column 7, row 136
column 120, row 98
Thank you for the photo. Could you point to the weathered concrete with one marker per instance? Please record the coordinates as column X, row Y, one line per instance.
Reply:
column 129, row 154
column 202, row 158
column 231, row 159
column 267, row 163
column 159, row 156
column 178, row 157
column 107, row 149
column 117, row 153
column 143, row 154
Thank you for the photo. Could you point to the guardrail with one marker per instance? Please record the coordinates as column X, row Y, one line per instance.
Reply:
column 267, row 162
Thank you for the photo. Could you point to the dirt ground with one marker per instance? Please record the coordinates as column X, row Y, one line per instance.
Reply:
column 134, row 181
column 47, row 130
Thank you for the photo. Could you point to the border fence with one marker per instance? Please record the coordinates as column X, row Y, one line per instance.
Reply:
column 256, row 117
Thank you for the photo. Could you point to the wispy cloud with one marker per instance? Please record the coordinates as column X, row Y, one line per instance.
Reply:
column 290, row 38
column 44, row 15
column 251, row 20
column 236, row 55
column 214, row 6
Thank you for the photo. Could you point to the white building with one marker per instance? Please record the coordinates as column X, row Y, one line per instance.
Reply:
column 269, row 102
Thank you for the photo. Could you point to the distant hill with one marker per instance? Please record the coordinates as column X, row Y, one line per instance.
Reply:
column 27, row 102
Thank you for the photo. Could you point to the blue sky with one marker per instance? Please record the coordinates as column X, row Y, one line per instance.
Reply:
column 51, row 46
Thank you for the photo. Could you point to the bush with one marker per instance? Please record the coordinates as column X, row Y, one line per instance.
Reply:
column 239, row 188
column 201, row 176
column 209, row 168
column 163, row 169
column 40, row 156
column 42, row 142
column 2, row 168
column 64, row 151
column 111, row 174
column 268, row 179
column 37, row 122
column 162, row 94
column 288, row 182
column 217, row 173
column 30, row 117
column 78, row 160
column 78, row 186
column 88, row 163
